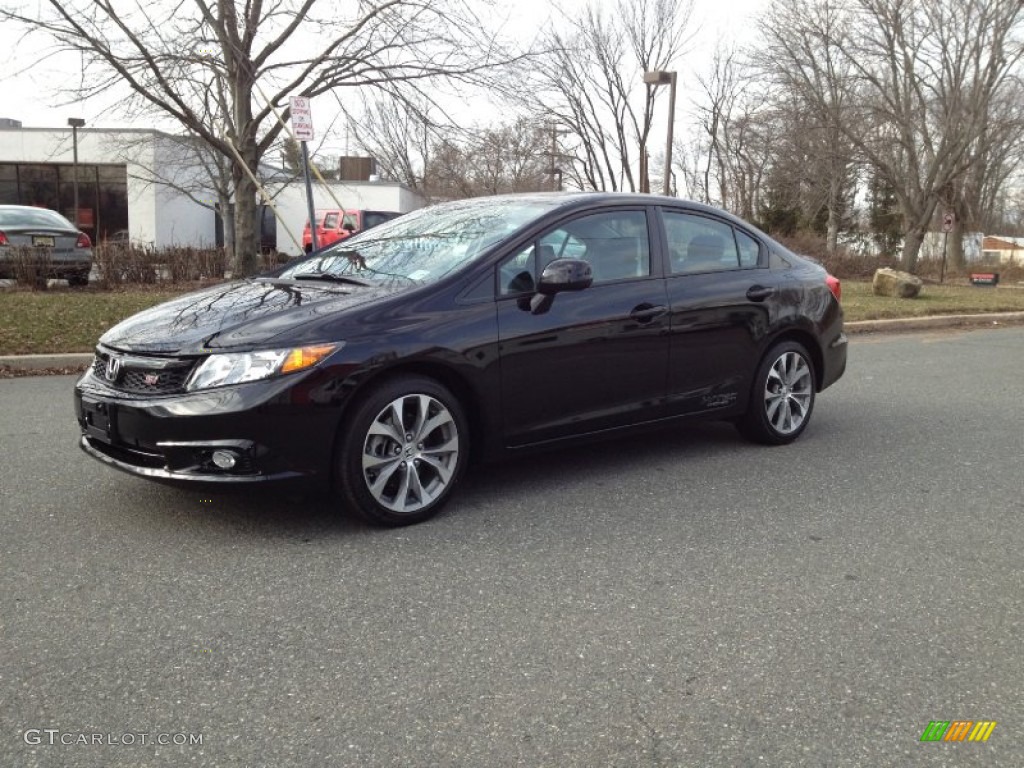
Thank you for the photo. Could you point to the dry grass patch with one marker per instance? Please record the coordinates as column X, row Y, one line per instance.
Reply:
column 859, row 303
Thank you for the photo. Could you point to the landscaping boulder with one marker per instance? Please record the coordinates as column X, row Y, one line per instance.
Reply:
column 892, row 282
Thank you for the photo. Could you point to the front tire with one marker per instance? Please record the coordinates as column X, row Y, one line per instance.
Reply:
column 402, row 451
column 782, row 398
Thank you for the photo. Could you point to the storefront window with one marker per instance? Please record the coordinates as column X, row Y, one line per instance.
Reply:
column 8, row 184
column 102, row 193
column 38, row 186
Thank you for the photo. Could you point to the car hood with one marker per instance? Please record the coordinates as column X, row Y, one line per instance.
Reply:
column 240, row 314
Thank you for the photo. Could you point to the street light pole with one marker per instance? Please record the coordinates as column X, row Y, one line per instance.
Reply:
column 75, row 123
column 656, row 78
column 671, row 124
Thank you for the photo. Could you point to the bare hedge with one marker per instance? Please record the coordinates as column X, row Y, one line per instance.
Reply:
column 31, row 266
column 121, row 264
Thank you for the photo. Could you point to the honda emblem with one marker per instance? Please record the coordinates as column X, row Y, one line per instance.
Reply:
column 113, row 368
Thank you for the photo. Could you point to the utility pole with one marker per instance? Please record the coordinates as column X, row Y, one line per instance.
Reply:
column 554, row 171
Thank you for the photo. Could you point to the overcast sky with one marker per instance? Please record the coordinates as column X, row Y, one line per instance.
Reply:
column 28, row 96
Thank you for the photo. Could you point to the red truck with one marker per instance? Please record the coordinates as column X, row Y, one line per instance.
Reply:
column 333, row 225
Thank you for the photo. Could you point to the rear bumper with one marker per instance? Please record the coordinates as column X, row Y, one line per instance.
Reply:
column 55, row 265
column 835, row 360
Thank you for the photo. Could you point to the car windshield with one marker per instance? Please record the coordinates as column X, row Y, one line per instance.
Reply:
column 425, row 245
column 32, row 217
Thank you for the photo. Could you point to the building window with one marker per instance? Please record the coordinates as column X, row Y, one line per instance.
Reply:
column 102, row 193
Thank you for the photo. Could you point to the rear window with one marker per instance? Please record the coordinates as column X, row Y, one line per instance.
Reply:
column 32, row 217
column 373, row 218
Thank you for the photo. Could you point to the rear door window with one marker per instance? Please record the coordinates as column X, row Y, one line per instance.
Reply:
column 703, row 244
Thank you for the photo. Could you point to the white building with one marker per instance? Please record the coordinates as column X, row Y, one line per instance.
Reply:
column 153, row 185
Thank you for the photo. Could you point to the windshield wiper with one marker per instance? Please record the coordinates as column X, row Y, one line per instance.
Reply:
column 328, row 276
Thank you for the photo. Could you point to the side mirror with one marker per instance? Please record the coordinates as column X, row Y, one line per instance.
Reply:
column 565, row 275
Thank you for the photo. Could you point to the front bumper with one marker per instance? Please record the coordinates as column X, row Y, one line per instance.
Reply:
column 280, row 429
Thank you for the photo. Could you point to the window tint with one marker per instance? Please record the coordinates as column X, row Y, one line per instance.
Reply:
column 750, row 249
column 33, row 217
column 700, row 244
column 517, row 275
column 331, row 221
column 373, row 218
column 615, row 244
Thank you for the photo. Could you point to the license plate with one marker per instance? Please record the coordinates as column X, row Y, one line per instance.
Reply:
column 97, row 419
column 44, row 240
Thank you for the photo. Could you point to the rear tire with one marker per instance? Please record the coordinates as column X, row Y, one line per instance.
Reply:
column 402, row 451
column 782, row 397
column 78, row 280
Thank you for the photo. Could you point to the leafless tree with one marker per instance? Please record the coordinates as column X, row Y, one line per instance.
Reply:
column 589, row 83
column 399, row 133
column 977, row 197
column 916, row 81
column 733, row 141
column 811, row 79
column 443, row 161
column 243, row 60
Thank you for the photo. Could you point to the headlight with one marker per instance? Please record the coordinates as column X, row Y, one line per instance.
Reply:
column 238, row 367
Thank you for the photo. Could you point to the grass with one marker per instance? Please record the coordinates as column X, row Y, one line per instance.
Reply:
column 859, row 303
column 64, row 320
column 37, row 322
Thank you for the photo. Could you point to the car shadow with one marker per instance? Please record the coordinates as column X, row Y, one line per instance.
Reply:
column 298, row 514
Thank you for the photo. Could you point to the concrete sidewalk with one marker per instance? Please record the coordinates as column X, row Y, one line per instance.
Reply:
column 47, row 363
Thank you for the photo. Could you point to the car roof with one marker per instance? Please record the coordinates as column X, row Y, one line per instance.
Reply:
column 577, row 198
column 571, row 200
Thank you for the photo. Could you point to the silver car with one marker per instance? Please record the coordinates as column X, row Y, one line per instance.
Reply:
column 47, row 241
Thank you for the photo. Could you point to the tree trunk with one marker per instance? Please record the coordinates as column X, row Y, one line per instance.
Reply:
column 832, row 234
column 911, row 247
column 955, row 252
column 917, row 218
column 246, row 233
column 957, row 260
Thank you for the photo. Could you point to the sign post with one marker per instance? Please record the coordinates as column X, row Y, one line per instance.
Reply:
column 947, row 224
column 302, row 126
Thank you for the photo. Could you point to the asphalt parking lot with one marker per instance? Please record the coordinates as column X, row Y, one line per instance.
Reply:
column 679, row 598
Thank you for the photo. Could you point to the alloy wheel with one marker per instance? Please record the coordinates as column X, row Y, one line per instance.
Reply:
column 410, row 453
column 788, row 392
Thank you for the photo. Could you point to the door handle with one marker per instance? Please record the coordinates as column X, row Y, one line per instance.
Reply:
column 759, row 292
column 644, row 313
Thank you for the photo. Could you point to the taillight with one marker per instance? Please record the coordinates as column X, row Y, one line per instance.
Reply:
column 3, row 239
column 83, row 241
column 835, row 286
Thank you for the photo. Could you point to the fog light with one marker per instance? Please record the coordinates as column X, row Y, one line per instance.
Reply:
column 224, row 459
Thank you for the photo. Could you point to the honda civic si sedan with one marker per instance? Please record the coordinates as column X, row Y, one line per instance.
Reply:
column 378, row 367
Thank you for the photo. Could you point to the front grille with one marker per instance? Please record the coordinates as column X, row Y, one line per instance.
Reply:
column 145, row 375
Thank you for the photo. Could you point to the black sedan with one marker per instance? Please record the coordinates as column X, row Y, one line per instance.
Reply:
column 482, row 326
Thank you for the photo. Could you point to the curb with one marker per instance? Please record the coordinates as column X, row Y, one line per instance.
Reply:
column 933, row 322
column 45, row 362
column 78, row 360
